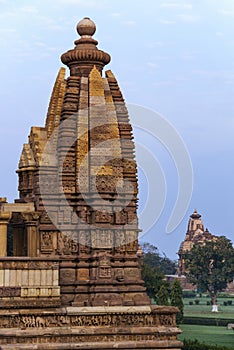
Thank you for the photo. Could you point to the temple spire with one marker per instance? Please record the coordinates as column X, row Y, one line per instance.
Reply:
column 85, row 55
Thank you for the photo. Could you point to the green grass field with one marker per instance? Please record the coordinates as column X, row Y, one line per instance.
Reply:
column 208, row 334
column 212, row 335
column 204, row 310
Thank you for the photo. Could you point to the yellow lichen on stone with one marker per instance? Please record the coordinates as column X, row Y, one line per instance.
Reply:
column 83, row 148
column 114, row 131
column 109, row 74
column 95, row 83
column 102, row 170
column 56, row 101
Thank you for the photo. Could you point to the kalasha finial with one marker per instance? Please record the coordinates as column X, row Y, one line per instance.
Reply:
column 195, row 215
column 86, row 27
column 85, row 54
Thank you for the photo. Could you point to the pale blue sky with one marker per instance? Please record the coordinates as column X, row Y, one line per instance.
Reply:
column 175, row 57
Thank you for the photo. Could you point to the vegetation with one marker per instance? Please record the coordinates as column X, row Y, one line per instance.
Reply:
column 177, row 300
column 201, row 314
column 154, row 268
column 211, row 266
column 196, row 345
column 162, row 296
column 207, row 321
column 197, row 337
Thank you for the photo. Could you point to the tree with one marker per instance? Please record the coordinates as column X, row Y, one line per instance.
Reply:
column 153, row 279
column 211, row 266
column 162, row 297
column 177, row 300
column 154, row 267
column 153, row 258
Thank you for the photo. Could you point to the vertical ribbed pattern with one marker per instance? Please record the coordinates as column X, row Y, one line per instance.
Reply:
column 56, row 102
column 67, row 136
column 82, row 160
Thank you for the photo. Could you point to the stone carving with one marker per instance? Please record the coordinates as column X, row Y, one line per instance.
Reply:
column 92, row 265
column 59, row 320
column 102, row 239
column 120, row 241
column 46, row 242
column 103, row 217
column 131, row 241
column 69, row 165
column 67, row 216
column 119, row 275
column 85, row 338
column 47, row 182
column 83, row 274
column 120, row 217
column 10, row 291
column 68, row 186
column 104, row 269
column 84, row 214
column 65, row 245
column 30, row 217
column 85, row 242
column 166, row 320
column 28, row 264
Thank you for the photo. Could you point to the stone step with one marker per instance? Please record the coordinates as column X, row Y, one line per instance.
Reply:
column 150, row 345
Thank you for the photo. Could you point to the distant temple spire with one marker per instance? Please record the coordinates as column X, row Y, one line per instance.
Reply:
column 195, row 223
column 195, row 234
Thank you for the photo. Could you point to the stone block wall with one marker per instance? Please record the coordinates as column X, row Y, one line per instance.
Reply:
column 29, row 282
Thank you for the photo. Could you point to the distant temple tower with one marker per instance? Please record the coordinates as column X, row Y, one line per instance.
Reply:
column 69, row 268
column 194, row 234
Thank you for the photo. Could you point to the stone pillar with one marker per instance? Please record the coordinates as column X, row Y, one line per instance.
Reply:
column 4, row 219
column 31, row 228
column 3, row 201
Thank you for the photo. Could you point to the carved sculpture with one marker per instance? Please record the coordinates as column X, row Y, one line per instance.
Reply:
column 79, row 266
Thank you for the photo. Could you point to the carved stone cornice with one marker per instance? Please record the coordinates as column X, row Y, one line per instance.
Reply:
column 30, row 218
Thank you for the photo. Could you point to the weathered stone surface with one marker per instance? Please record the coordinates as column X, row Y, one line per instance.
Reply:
column 74, row 280
column 131, row 327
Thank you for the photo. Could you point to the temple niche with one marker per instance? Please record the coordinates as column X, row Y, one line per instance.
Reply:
column 69, row 267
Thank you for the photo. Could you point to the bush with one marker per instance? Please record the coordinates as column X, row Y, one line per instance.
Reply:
column 196, row 345
column 189, row 294
column 206, row 321
column 177, row 300
column 162, row 296
column 225, row 295
column 197, row 301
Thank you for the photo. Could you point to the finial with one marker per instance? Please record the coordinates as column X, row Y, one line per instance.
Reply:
column 86, row 27
column 85, row 54
column 195, row 215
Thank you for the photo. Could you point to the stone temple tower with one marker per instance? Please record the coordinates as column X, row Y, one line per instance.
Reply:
column 195, row 234
column 72, row 241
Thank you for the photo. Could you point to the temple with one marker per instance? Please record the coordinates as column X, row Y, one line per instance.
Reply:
column 70, row 273
column 195, row 234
